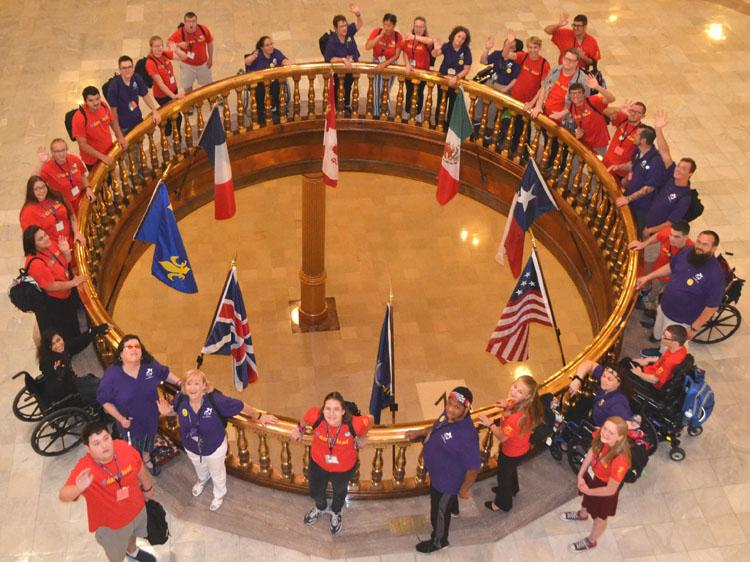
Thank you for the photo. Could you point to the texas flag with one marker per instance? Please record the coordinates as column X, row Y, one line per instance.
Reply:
column 330, row 141
column 214, row 142
column 532, row 200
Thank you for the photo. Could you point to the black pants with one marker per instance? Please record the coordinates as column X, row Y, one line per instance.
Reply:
column 168, row 127
column 60, row 315
column 507, row 480
column 420, row 96
column 260, row 99
column 451, row 95
column 348, row 81
column 441, row 507
column 319, row 478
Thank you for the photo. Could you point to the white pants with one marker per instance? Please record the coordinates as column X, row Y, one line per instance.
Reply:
column 190, row 73
column 661, row 323
column 212, row 466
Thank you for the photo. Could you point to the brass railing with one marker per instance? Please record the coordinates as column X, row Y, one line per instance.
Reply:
column 580, row 180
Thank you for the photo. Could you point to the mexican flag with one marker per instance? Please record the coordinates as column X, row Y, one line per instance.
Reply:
column 458, row 130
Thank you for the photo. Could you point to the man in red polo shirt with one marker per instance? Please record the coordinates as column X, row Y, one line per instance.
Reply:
column 534, row 67
column 588, row 114
column 91, row 128
column 575, row 38
column 194, row 45
column 659, row 370
column 66, row 174
column 625, row 140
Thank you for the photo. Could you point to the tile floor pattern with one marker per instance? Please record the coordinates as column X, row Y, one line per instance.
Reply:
column 697, row 510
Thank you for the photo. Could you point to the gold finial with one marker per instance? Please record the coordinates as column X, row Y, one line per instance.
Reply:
column 166, row 172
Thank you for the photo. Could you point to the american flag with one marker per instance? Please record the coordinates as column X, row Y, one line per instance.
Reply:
column 528, row 303
column 230, row 334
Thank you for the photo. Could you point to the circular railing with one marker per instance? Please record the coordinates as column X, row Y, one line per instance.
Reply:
column 586, row 193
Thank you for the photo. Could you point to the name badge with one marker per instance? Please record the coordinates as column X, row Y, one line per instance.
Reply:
column 331, row 459
column 451, row 72
column 59, row 226
column 133, row 106
column 171, row 79
column 412, row 62
column 590, row 472
column 381, row 58
column 75, row 191
column 191, row 55
column 619, row 150
column 123, row 493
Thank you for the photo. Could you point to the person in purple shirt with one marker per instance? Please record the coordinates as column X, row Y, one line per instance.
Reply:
column 123, row 93
column 695, row 289
column 610, row 399
column 342, row 47
column 672, row 201
column 202, row 413
column 128, row 394
column 266, row 56
column 451, row 457
column 456, row 65
column 647, row 174
column 505, row 72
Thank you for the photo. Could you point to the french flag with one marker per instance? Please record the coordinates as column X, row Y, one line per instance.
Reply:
column 214, row 142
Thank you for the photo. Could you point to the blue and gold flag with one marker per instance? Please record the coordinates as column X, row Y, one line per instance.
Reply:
column 383, row 388
column 159, row 226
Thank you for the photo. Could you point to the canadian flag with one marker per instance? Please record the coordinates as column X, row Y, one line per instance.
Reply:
column 330, row 141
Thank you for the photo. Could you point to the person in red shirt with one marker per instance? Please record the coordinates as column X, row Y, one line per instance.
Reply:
column 588, row 114
column 627, row 121
column 659, row 370
column 46, row 208
column 91, row 129
column 417, row 49
column 159, row 68
column 386, row 44
column 575, row 38
column 333, row 454
column 553, row 95
column 194, row 45
column 599, row 479
column 534, row 68
column 67, row 174
column 47, row 262
column 113, row 480
column 523, row 411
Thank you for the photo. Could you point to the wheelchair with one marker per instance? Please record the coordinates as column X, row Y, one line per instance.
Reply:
column 59, row 415
column 663, row 407
column 727, row 319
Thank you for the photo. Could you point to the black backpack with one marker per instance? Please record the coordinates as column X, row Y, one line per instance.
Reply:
column 638, row 461
column 25, row 293
column 69, row 120
column 696, row 207
column 106, row 85
column 351, row 408
column 140, row 70
column 210, row 396
column 323, row 42
column 156, row 523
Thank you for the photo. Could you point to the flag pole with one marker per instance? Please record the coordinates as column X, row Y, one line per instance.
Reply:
column 393, row 405
column 549, row 300
column 199, row 359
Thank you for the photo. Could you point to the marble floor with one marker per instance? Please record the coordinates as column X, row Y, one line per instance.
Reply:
column 658, row 52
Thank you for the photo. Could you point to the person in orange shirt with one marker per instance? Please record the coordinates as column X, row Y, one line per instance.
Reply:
column 599, row 479
column 91, row 129
column 624, row 141
column 417, row 50
column 523, row 412
column 575, row 38
column 386, row 44
column 47, row 209
column 66, row 174
column 658, row 370
column 194, row 45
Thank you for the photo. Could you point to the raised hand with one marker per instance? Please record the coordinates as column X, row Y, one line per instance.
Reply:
column 355, row 9
column 511, row 36
column 489, row 44
column 562, row 20
column 165, row 408
column 660, row 119
column 591, row 82
column 84, row 480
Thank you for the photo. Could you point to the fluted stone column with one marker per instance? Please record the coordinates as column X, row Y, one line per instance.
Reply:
column 313, row 308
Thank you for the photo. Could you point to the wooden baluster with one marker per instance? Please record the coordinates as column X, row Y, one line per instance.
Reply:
column 370, row 96
column 400, row 100
column 267, row 103
column 243, row 453
column 399, row 467
column 377, row 469
column 427, row 113
column 153, row 154
column 482, row 121
column 495, row 136
column 565, row 177
column 176, row 139
column 534, row 147
column 355, row 97
column 239, row 92
column 544, row 164
column 282, row 101
column 165, row 157
column 609, row 223
column 555, row 173
column 384, row 109
column 311, row 96
column 472, row 106
column 118, row 187
column 129, row 187
column 340, row 97
column 188, row 134
column 354, row 482
column 596, row 227
column 326, row 97
column 521, row 150
column 586, row 191
column 230, row 455
column 264, row 460
column 143, row 162
column 306, row 464
column 253, row 108
column 505, row 152
column 199, row 120
column 575, row 190
column 442, row 110
column 484, row 455
column 413, row 102
column 286, row 461
column 296, row 105
column 420, row 474
column 226, row 113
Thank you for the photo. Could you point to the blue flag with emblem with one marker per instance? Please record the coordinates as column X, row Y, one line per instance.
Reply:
column 382, row 387
column 170, row 265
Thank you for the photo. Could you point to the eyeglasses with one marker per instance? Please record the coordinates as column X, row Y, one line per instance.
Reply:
column 128, row 67
column 577, row 25
column 132, row 346
column 570, row 59
column 666, row 336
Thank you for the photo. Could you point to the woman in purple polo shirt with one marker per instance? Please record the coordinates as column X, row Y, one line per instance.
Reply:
column 202, row 413
column 266, row 56
column 128, row 394
column 456, row 65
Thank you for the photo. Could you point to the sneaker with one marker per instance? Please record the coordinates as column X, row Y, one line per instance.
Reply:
column 216, row 504
column 141, row 556
column 580, row 546
column 650, row 352
column 429, row 546
column 198, row 488
column 335, row 523
column 312, row 516
column 455, row 514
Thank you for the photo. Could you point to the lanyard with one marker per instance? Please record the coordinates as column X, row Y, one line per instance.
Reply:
column 54, row 257
column 332, row 442
column 52, row 208
column 625, row 133
column 117, row 477
column 66, row 170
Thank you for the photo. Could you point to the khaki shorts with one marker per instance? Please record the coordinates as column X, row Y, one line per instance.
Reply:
column 115, row 541
column 190, row 73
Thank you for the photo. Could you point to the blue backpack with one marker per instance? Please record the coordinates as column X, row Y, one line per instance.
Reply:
column 699, row 399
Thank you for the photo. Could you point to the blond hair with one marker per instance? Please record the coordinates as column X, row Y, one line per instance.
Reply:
column 534, row 40
column 197, row 374
column 153, row 39
column 622, row 447
column 531, row 406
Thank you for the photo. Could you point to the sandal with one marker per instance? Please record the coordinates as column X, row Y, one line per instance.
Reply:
column 572, row 516
column 580, row 546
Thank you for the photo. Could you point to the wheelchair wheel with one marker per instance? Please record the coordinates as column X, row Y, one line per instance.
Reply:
column 721, row 325
column 26, row 408
column 677, row 454
column 556, row 452
column 59, row 432
column 576, row 453
column 650, row 435
column 695, row 431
